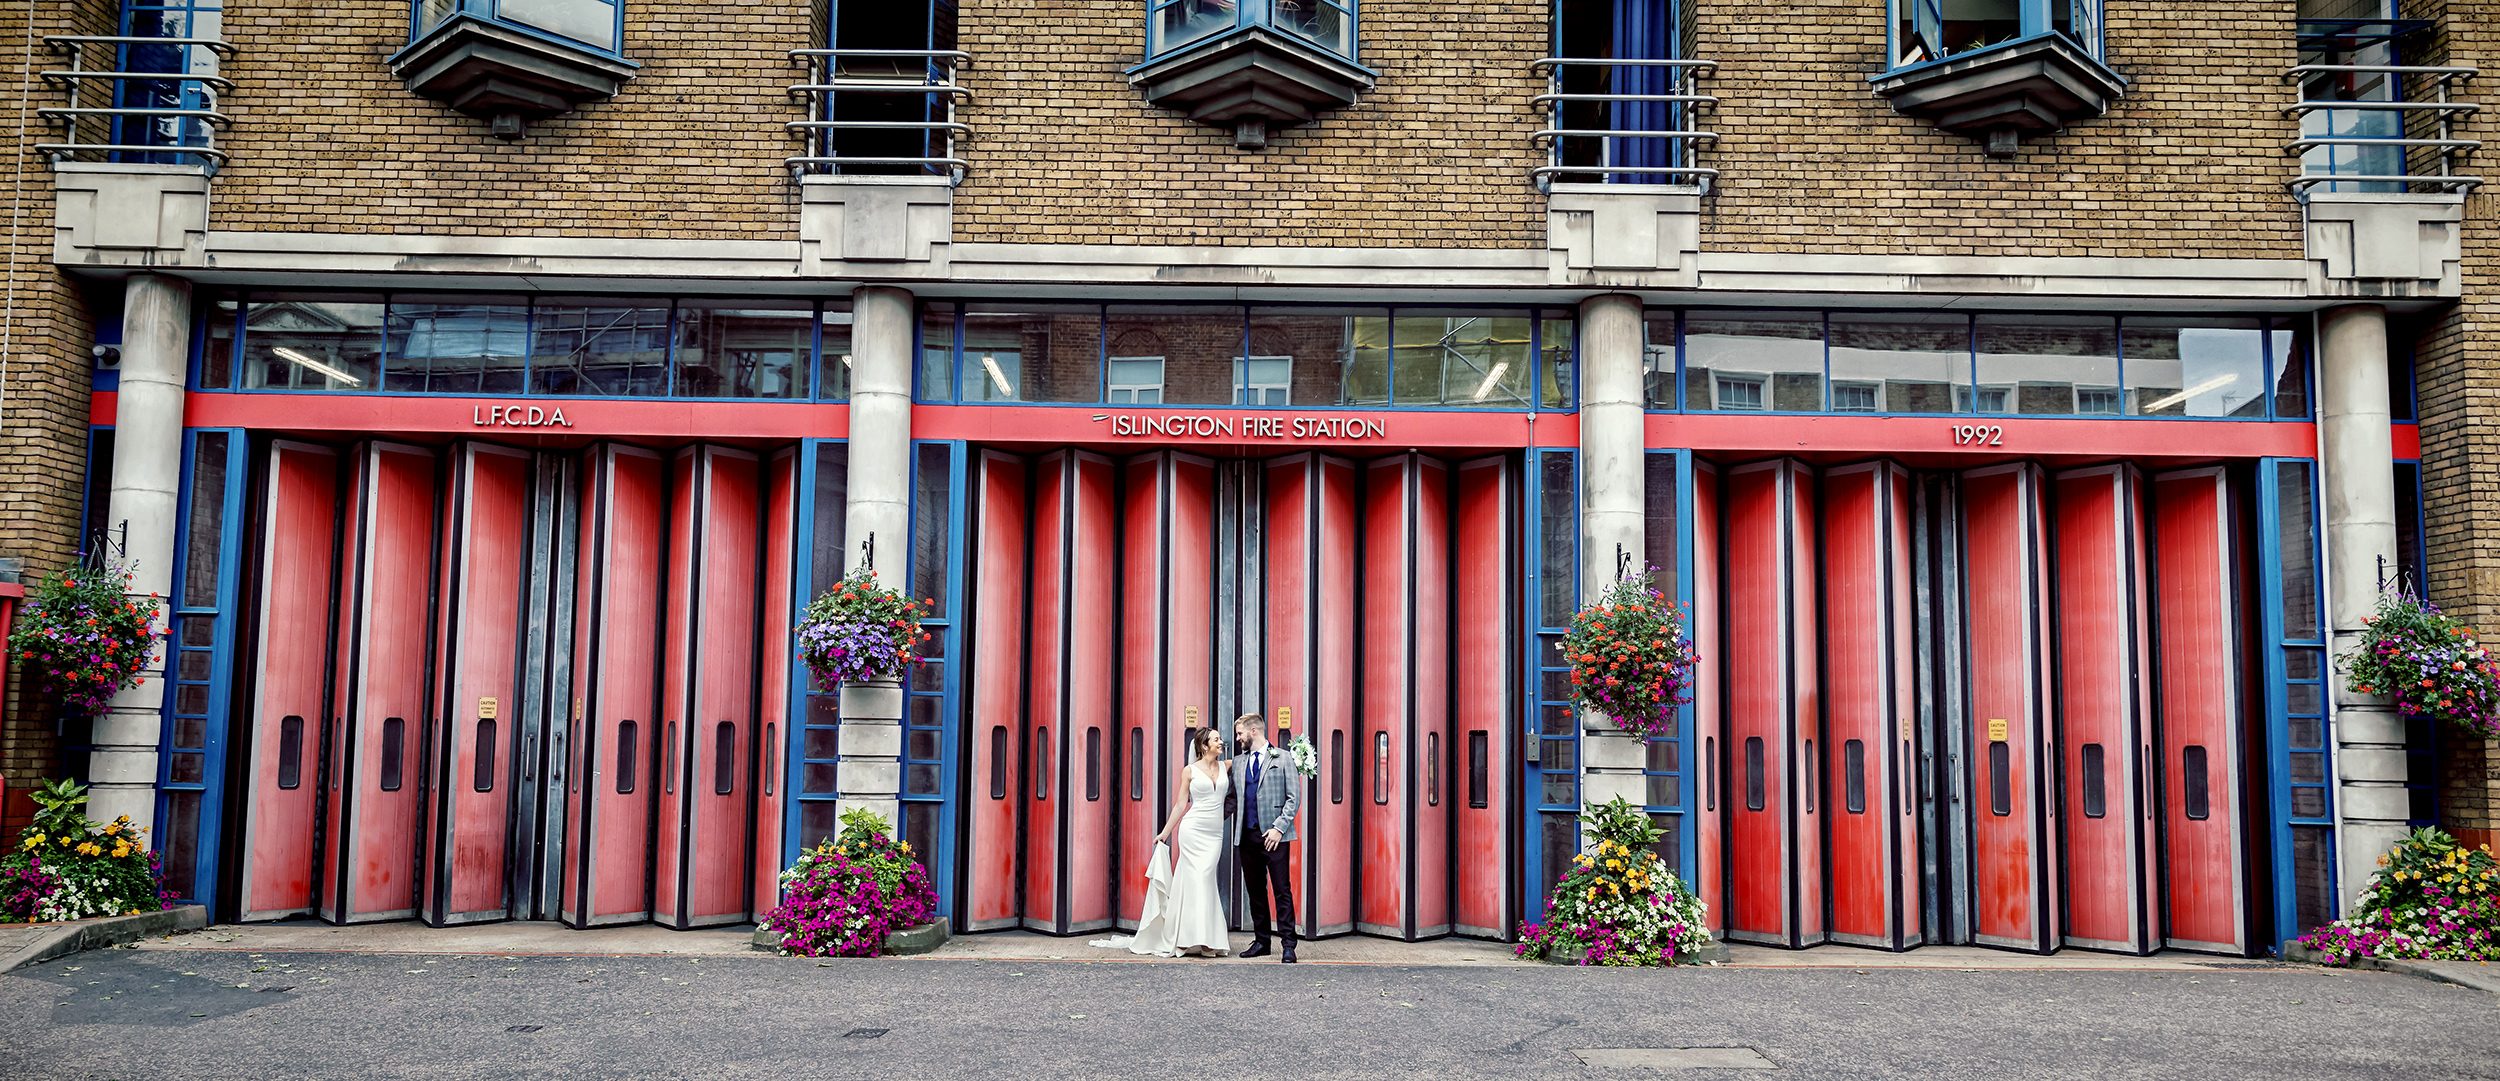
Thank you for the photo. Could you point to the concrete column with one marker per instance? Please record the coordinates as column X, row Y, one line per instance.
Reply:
column 147, row 483
column 880, row 446
column 2360, row 519
column 1613, row 509
column 871, row 733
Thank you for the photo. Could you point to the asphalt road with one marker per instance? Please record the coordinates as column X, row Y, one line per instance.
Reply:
column 197, row 1014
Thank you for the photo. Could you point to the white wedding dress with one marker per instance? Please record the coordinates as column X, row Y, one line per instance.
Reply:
column 1183, row 908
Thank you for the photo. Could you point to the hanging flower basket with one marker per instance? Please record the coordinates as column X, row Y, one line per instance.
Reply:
column 2433, row 666
column 860, row 631
column 84, row 637
column 1630, row 658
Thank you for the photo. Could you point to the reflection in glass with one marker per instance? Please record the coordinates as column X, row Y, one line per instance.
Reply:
column 742, row 352
column 1468, row 360
column 1173, row 356
column 937, row 353
column 2195, row 367
column 1332, row 356
column 456, row 348
column 1037, row 355
column 217, row 350
column 1174, row 23
column 2287, row 346
column 2296, row 533
column 2047, row 364
column 1753, row 361
column 833, row 355
column 599, row 350
column 1660, row 535
column 1913, row 363
column 1557, row 378
column 1558, row 538
column 1658, row 360
column 332, row 343
column 1326, row 24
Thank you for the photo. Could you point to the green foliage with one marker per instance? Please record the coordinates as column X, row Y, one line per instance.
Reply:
column 1619, row 903
column 68, row 867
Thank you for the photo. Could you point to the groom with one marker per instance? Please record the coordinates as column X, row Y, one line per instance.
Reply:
column 1270, row 793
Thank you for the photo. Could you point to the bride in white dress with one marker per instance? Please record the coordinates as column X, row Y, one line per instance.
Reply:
column 1184, row 911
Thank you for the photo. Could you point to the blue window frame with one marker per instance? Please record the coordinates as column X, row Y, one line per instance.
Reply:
column 812, row 813
column 2298, row 684
column 1417, row 357
column 1551, row 771
column 1175, row 25
column 1666, row 769
column 178, row 21
column 1622, row 94
column 1926, row 31
column 2375, row 39
column 597, row 25
column 751, row 349
column 934, row 696
column 2010, row 364
column 199, row 659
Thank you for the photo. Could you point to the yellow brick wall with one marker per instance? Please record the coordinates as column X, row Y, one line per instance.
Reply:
column 2188, row 163
column 327, row 140
column 45, row 332
column 2458, row 381
column 1437, row 156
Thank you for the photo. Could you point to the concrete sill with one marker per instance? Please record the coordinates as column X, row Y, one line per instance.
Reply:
column 2031, row 87
column 62, row 939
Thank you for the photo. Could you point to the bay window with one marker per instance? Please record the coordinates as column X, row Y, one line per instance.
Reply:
column 1926, row 30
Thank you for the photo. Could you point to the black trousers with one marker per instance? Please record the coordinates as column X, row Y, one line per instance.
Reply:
column 1260, row 870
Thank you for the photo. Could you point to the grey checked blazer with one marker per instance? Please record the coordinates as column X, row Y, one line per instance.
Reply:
column 1280, row 793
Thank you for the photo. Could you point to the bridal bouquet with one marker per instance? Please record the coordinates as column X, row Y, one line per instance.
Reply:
column 1305, row 757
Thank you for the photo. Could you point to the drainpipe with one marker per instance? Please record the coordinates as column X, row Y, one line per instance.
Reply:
column 870, row 774
column 147, row 482
column 1613, row 510
column 2355, row 453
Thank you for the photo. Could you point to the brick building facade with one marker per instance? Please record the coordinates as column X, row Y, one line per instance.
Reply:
column 1565, row 246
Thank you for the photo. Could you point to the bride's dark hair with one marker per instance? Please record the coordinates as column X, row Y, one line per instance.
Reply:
column 1197, row 743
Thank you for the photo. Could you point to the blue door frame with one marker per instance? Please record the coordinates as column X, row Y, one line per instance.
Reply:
column 202, row 704
column 1543, row 664
column 2297, row 674
column 934, row 692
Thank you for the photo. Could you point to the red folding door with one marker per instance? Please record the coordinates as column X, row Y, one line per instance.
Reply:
column 291, row 720
column 1773, row 713
column 2005, row 632
column 2205, row 879
column 1868, row 683
column 2103, row 708
column 375, row 814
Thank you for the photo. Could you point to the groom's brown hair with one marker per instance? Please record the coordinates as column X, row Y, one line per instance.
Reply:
column 1254, row 720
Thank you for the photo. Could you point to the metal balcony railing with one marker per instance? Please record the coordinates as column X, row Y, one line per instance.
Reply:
column 881, row 112
column 120, row 110
column 2402, row 138
column 1623, row 121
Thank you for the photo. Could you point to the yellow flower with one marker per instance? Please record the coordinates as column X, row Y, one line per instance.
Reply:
column 1614, row 865
column 121, row 851
column 34, row 840
column 1592, row 893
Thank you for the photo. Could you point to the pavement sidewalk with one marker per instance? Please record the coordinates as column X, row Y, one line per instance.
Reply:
column 524, row 938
